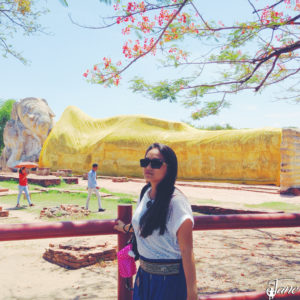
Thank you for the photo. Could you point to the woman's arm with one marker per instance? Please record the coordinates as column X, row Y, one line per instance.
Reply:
column 122, row 227
column 185, row 240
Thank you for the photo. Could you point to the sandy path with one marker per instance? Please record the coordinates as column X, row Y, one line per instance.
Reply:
column 226, row 261
column 228, row 197
column 24, row 274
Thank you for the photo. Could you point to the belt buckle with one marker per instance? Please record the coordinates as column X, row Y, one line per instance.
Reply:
column 163, row 269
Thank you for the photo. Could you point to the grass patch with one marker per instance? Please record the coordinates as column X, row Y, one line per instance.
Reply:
column 121, row 195
column 126, row 200
column 287, row 207
column 56, row 198
column 13, row 185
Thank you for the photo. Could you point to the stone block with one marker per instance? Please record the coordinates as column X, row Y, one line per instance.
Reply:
column 120, row 179
column 71, row 180
column 65, row 172
column 72, row 256
column 4, row 213
column 42, row 171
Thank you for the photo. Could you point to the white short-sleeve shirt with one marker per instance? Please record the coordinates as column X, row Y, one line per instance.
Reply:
column 156, row 246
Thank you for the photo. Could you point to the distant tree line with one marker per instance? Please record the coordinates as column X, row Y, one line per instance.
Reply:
column 212, row 127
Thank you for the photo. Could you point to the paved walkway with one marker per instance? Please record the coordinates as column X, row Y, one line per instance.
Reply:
column 226, row 194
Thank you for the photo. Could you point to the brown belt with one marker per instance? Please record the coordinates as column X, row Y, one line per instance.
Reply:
column 160, row 268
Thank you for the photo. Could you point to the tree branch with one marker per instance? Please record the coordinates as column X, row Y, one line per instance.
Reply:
column 267, row 75
column 154, row 45
column 285, row 77
column 287, row 49
column 197, row 11
column 270, row 7
column 123, row 17
column 255, row 11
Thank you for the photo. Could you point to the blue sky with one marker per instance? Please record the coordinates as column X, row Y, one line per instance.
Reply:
column 58, row 60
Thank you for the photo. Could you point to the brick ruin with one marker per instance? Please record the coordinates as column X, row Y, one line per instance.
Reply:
column 4, row 213
column 64, row 210
column 43, row 177
column 72, row 256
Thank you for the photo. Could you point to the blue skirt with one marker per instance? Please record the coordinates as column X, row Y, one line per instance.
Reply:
column 159, row 287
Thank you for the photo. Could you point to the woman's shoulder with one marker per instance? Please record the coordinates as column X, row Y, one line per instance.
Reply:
column 180, row 207
column 178, row 194
column 179, row 198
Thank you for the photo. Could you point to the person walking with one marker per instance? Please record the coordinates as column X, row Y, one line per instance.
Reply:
column 93, row 187
column 163, row 224
column 23, row 186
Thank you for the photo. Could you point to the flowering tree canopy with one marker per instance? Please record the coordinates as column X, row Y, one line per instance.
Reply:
column 248, row 55
column 17, row 16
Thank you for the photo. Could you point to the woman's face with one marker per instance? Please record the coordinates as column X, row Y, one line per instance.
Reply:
column 23, row 171
column 154, row 176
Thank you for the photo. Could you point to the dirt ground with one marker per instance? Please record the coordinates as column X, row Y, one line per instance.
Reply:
column 226, row 260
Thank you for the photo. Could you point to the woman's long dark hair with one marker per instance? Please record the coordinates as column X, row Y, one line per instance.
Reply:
column 156, row 216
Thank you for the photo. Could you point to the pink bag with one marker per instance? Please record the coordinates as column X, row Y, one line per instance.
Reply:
column 127, row 267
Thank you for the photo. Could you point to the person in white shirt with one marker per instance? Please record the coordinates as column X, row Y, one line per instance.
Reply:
column 93, row 187
column 163, row 224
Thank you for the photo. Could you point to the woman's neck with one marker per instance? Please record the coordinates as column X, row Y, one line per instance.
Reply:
column 152, row 192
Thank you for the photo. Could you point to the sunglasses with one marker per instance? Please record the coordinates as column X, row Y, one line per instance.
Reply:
column 155, row 163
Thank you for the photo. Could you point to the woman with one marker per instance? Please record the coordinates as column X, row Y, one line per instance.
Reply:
column 163, row 224
column 23, row 186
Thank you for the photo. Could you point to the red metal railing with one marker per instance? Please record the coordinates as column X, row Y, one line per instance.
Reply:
column 31, row 231
column 250, row 296
column 246, row 221
column 10, row 232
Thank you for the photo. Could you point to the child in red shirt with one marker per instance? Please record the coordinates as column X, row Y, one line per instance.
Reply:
column 23, row 186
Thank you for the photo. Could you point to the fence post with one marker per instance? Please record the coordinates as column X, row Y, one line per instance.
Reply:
column 124, row 214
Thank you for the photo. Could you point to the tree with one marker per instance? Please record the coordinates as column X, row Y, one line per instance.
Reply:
column 246, row 55
column 5, row 112
column 17, row 16
column 214, row 127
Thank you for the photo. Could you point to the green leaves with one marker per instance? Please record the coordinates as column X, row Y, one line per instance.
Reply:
column 17, row 17
column 180, row 89
column 210, row 60
column 5, row 112
column 209, row 108
column 162, row 90
column 64, row 3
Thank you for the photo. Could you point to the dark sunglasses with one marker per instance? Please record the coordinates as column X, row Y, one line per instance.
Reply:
column 155, row 163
